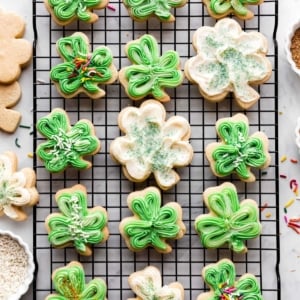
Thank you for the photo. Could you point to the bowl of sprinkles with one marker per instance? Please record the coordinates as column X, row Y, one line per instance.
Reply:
column 16, row 266
column 293, row 47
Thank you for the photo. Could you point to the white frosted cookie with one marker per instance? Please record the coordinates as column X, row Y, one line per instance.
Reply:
column 147, row 284
column 151, row 144
column 229, row 60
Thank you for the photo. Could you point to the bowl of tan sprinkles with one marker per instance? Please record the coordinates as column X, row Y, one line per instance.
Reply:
column 293, row 47
column 16, row 266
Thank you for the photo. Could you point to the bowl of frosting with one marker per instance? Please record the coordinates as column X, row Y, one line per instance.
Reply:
column 293, row 47
column 16, row 266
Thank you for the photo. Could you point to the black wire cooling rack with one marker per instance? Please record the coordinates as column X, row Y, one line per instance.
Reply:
column 105, row 183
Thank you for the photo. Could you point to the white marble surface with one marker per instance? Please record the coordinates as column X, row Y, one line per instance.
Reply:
column 289, row 108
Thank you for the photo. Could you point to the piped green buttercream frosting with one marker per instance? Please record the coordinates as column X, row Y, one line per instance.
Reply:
column 228, row 220
column 152, row 224
column 66, row 145
column 221, row 279
column 82, row 70
column 150, row 72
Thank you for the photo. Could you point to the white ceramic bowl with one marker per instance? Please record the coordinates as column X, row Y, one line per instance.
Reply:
column 290, row 35
column 23, row 287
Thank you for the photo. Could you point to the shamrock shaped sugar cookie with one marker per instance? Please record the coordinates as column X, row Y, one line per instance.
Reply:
column 82, row 71
column 237, row 152
column 15, row 51
column 76, row 224
column 9, row 97
column 17, row 188
column 221, row 8
column 151, row 144
column 150, row 73
column 220, row 277
column 151, row 224
column 141, row 10
column 64, row 12
column 229, row 60
column 228, row 220
column 147, row 284
column 69, row 284
column 66, row 144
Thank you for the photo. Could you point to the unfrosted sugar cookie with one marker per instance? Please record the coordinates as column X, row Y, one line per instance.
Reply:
column 142, row 10
column 237, row 152
column 17, row 188
column 150, row 73
column 228, row 221
column 147, row 284
column 69, row 283
column 10, row 95
column 220, row 8
column 82, row 71
column 229, row 60
column 66, row 145
column 65, row 12
column 16, row 52
column 152, row 224
column 220, row 277
column 152, row 144
column 76, row 224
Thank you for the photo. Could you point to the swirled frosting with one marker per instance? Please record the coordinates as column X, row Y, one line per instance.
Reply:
column 17, row 189
column 69, row 283
column 82, row 71
column 76, row 224
column 221, row 8
column 67, row 11
column 66, row 145
column 221, row 279
column 141, row 10
column 150, row 73
column 237, row 152
column 229, row 60
column 151, row 144
column 228, row 220
column 151, row 224
column 147, row 284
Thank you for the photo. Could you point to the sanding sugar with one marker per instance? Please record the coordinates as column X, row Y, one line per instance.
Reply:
column 13, row 266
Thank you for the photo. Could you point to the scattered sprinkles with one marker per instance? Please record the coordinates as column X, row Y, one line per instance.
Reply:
column 24, row 126
column 282, row 176
column 17, row 143
column 265, row 205
column 289, row 203
column 111, row 7
column 268, row 215
column 283, row 158
column 30, row 155
column 293, row 160
column 294, row 224
column 285, row 219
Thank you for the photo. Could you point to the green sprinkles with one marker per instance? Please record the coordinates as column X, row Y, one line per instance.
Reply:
column 17, row 143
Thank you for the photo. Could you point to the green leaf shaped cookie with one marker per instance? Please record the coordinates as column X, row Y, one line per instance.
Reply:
column 76, row 224
column 141, row 10
column 221, row 8
column 69, row 283
column 228, row 220
column 81, row 70
column 64, row 12
column 150, row 73
column 151, row 224
column 66, row 145
column 237, row 152
column 221, row 279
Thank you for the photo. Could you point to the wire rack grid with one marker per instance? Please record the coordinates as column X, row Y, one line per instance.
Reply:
column 105, row 183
